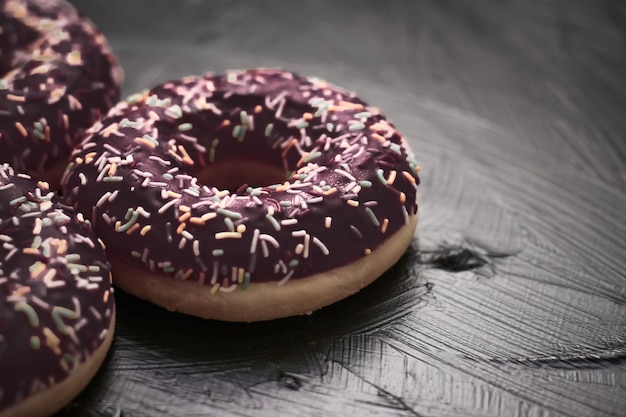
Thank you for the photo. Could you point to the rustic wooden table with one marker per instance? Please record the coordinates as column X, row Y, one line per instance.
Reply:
column 511, row 300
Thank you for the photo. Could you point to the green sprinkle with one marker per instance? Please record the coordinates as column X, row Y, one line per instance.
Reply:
column 107, row 312
column 317, row 101
column 356, row 126
column 372, row 216
column 217, row 252
column 229, row 213
column 76, row 268
column 135, row 254
column 329, row 127
column 36, row 242
column 152, row 100
column 273, row 221
column 130, row 223
column 381, row 176
column 175, row 111
column 168, row 176
column 293, row 263
column 31, row 314
column 3, row 84
column 363, row 114
column 112, row 179
column 302, row 124
column 211, row 154
column 229, row 224
column 72, row 257
column 243, row 116
column 127, row 123
column 185, row 127
column 311, row 156
column 129, row 213
column 68, row 357
column 285, row 203
column 246, row 281
column 150, row 139
column 93, row 268
column 239, row 132
column 58, row 314
column 396, row 148
column 193, row 191
column 35, row 343
column 169, row 269
column 17, row 200
column 164, row 103
column 322, row 109
column 365, row 184
column 268, row 129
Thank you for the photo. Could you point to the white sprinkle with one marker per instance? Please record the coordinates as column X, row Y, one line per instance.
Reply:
column 321, row 245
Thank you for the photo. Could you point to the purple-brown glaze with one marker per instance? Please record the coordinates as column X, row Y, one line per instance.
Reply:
column 58, row 76
column 56, row 301
column 349, row 181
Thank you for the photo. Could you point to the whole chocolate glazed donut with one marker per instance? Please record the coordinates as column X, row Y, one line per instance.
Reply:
column 58, row 76
column 56, row 302
column 174, row 182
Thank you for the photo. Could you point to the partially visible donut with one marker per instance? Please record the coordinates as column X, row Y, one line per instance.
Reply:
column 175, row 181
column 57, row 77
column 56, row 302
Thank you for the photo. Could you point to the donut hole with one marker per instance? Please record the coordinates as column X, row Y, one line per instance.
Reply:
column 232, row 175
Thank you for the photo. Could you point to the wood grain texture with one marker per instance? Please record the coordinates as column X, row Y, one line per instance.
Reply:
column 511, row 300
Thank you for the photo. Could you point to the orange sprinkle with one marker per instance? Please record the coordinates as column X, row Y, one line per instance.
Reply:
column 307, row 116
column 330, row 191
column 258, row 108
column 392, row 177
column 383, row 228
column 112, row 169
column 13, row 97
column 181, row 227
column 44, row 185
column 31, row 251
column 184, row 209
column 378, row 137
column 21, row 128
column 409, row 177
column 184, row 217
column 145, row 142
column 132, row 229
column 402, row 197
column 196, row 220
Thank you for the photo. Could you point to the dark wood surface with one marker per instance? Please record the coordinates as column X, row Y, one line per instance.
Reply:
column 511, row 300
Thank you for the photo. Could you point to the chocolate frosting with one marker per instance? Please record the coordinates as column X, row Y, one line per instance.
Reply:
column 56, row 301
column 349, row 180
column 58, row 77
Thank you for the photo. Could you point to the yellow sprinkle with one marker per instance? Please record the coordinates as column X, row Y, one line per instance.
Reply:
column 240, row 273
column 208, row 216
column 228, row 235
column 145, row 230
column 31, row 251
column 112, row 169
column 215, row 288
column 172, row 194
column 353, row 203
column 241, row 228
column 52, row 341
column 392, row 177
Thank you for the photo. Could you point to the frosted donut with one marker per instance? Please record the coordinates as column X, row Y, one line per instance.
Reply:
column 58, row 76
column 56, row 303
column 174, row 180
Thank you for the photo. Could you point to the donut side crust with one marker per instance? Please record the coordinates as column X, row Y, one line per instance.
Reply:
column 53, row 399
column 266, row 301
